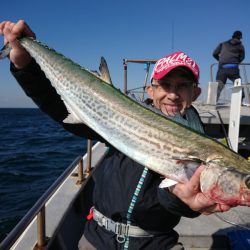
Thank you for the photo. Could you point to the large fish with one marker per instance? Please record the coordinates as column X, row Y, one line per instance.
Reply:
column 160, row 144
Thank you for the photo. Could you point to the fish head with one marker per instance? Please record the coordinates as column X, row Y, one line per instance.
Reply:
column 225, row 185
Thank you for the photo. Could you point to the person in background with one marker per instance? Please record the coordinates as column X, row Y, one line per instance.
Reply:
column 229, row 54
column 126, row 193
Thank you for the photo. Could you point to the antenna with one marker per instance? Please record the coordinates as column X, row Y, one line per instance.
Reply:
column 172, row 46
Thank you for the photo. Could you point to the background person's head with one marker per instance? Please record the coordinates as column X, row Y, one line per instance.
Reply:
column 174, row 83
column 237, row 34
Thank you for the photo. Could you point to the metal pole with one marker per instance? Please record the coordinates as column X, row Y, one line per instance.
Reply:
column 89, row 156
column 125, row 76
column 172, row 37
column 80, row 172
column 246, row 83
column 211, row 72
column 234, row 121
column 224, row 130
column 145, row 81
column 41, row 234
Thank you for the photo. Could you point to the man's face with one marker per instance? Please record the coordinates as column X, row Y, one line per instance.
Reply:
column 174, row 93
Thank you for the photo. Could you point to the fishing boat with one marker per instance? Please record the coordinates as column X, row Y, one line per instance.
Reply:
column 57, row 219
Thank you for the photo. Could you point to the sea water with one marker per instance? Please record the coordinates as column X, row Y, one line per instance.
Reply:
column 34, row 151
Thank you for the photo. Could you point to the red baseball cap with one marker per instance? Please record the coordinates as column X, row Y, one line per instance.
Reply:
column 177, row 59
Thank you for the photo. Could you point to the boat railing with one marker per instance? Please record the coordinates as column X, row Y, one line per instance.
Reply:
column 39, row 208
column 140, row 91
column 226, row 93
column 148, row 63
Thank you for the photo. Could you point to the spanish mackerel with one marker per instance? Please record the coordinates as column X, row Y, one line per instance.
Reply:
column 150, row 139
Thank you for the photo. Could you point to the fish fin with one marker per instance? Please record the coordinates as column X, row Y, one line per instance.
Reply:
column 167, row 183
column 5, row 51
column 189, row 163
column 189, row 158
column 72, row 119
column 105, row 71
column 214, row 158
column 96, row 73
column 194, row 158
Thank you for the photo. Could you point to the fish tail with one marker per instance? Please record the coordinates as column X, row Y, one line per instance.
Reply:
column 5, row 51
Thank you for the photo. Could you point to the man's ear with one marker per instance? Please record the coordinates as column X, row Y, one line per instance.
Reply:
column 197, row 92
column 149, row 90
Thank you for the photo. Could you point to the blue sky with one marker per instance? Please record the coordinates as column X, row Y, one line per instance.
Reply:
column 136, row 29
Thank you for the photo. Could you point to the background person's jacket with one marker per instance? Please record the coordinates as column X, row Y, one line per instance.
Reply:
column 231, row 51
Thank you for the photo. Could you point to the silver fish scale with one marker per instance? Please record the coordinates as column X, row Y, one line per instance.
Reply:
column 103, row 118
column 146, row 137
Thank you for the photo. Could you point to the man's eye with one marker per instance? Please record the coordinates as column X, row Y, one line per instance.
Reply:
column 183, row 85
column 167, row 85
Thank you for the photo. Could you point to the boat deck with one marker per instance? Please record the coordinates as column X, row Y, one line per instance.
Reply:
column 209, row 113
column 216, row 121
column 214, row 232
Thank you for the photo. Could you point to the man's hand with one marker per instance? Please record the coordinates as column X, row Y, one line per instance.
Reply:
column 11, row 32
column 190, row 194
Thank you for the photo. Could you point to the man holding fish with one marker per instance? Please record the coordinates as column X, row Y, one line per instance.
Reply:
column 126, row 193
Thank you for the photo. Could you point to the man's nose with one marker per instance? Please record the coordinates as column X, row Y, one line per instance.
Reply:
column 173, row 94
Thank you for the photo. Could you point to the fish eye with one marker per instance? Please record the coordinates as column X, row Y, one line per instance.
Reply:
column 247, row 181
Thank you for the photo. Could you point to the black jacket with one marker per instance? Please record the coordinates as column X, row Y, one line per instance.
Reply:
column 231, row 51
column 156, row 210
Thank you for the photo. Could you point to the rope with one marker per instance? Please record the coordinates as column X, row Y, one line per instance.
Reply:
column 133, row 201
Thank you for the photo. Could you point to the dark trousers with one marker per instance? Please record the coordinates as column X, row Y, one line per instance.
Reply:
column 84, row 244
column 223, row 74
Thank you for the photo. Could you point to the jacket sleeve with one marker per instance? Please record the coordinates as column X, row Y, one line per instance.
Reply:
column 216, row 52
column 174, row 205
column 35, row 85
column 242, row 54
